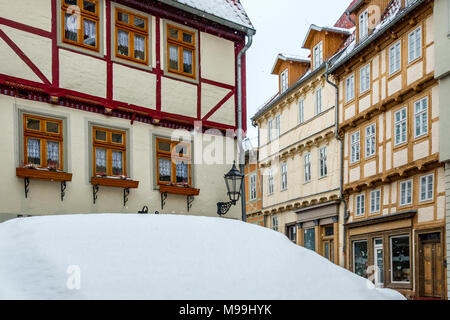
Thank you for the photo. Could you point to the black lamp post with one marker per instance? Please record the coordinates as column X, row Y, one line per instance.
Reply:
column 233, row 181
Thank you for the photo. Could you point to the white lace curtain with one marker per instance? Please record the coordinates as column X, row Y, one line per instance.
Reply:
column 164, row 167
column 52, row 151
column 182, row 170
column 90, row 32
column 34, row 149
column 123, row 38
column 117, row 161
column 139, row 43
column 71, row 23
column 100, row 158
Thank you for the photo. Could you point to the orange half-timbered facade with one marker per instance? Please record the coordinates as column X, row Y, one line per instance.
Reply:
column 107, row 105
column 394, row 185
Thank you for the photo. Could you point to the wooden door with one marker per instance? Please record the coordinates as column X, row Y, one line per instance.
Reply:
column 431, row 268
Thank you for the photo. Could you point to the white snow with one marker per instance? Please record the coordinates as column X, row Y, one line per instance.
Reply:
column 230, row 10
column 164, row 257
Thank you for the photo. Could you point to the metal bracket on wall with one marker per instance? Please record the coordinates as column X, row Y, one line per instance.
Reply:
column 126, row 193
column 95, row 192
column 190, row 200
column 27, row 186
column 63, row 190
column 163, row 200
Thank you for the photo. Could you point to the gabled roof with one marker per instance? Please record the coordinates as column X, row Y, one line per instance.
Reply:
column 288, row 57
column 227, row 12
column 313, row 28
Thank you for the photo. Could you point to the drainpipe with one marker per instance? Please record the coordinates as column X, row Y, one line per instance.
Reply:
column 241, row 153
column 341, row 183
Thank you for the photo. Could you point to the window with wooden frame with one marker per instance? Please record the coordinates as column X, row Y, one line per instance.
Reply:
column 43, row 142
column 131, row 36
column 173, row 160
column 181, row 51
column 109, row 152
column 81, row 23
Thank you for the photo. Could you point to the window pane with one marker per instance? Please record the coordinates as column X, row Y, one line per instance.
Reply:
column 187, row 61
column 123, row 42
column 52, row 154
column 310, row 239
column 90, row 32
column 34, row 151
column 71, row 2
column 89, row 5
column 117, row 165
column 173, row 33
column 360, row 258
column 165, row 170
column 164, row 146
column 33, row 124
column 329, row 231
column 139, row 47
column 182, row 169
column 71, row 27
column 138, row 22
column 100, row 135
column 52, row 127
column 400, row 259
column 123, row 17
column 117, row 138
column 187, row 37
column 100, row 161
column 181, row 150
column 173, row 57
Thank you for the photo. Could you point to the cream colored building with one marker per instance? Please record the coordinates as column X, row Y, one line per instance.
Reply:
column 390, row 114
column 106, row 107
column 442, row 73
column 299, row 153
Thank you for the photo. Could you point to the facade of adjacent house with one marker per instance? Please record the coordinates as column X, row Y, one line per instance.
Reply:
column 442, row 73
column 299, row 154
column 390, row 111
column 109, row 106
column 253, row 188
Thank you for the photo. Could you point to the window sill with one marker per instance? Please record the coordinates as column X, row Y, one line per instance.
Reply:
column 43, row 174
column 114, row 182
column 187, row 191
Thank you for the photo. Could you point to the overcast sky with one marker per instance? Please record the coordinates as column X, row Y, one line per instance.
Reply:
column 281, row 27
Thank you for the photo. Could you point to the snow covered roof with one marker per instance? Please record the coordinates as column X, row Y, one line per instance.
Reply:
column 227, row 12
column 289, row 57
column 165, row 257
column 314, row 27
column 393, row 13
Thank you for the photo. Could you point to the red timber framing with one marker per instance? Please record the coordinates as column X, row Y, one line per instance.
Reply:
column 51, row 92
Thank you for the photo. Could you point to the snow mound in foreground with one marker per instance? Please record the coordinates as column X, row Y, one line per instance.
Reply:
column 164, row 257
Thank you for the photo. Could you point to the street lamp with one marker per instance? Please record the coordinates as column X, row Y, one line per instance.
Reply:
column 233, row 181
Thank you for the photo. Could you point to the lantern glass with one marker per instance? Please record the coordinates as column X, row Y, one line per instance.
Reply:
column 233, row 181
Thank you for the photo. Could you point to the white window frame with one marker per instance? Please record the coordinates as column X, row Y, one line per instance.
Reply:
column 277, row 126
column 307, row 167
column 371, row 140
column 284, row 176
column 284, row 80
column 364, row 74
column 406, row 188
column 323, row 167
column 270, row 129
column 421, row 115
column 318, row 55
column 301, row 111
column 318, row 100
column 363, row 25
column 417, row 46
column 275, row 223
column 390, row 257
column 350, row 88
column 395, row 57
column 253, row 183
column 270, row 182
column 355, row 152
column 403, row 125
column 427, row 187
column 375, row 201
column 360, row 205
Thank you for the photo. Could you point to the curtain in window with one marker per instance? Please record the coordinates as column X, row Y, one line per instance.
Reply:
column 34, row 151
column 117, row 162
column 122, row 39
column 139, row 47
column 164, row 169
column 187, row 61
column 90, row 32
column 173, row 57
column 71, row 27
column 182, row 172
column 52, row 153
column 100, row 160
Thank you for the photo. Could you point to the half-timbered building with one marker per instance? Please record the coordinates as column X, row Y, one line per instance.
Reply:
column 109, row 106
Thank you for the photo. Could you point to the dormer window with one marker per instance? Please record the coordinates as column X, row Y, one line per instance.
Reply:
column 318, row 55
column 363, row 25
column 284, row 80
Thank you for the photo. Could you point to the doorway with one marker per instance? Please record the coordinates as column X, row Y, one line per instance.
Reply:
column 431, row 265
column 378, row 262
